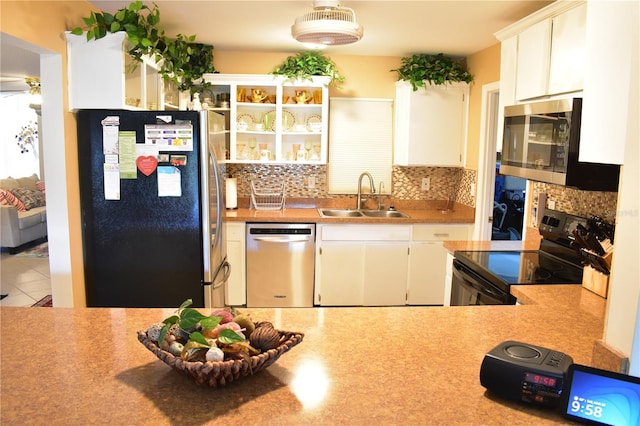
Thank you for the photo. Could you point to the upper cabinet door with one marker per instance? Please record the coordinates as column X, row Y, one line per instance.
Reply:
column 611, row 82
column 102, row 75
column 431, row 125
column 566, row 73
column 533, row 60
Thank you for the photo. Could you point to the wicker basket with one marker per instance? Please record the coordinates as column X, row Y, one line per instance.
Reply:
column 216, row 374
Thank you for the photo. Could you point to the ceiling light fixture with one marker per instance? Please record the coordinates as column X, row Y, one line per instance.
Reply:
column 328, row 25
column 34, row 91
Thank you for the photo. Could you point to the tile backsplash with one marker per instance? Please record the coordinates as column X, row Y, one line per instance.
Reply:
column 579, row 203
column 406, row 181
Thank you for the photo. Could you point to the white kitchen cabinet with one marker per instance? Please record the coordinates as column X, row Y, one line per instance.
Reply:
column 448, row 279
column 508, row 70
column 430, row 124
column 611, row 82
column 427, row 262
column 285, row 122
column 236, row 292
column 385, row 273
column 534, row 45
column 566, row 68
column 101, row 74
column 339, row 273
column 549, row 53
column 361, row 264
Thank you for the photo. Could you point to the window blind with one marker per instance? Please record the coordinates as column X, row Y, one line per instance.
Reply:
column 360, row 139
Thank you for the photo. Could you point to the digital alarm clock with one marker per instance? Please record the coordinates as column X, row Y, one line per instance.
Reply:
column 603, row 397
column 525, row 372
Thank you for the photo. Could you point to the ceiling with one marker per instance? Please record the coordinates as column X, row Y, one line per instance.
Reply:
column 391, row 28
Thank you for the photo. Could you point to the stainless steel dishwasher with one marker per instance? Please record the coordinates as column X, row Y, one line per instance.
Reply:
column 280, row 264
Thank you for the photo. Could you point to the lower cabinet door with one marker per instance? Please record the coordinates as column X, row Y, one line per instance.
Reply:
column 340, row 274
column 427, row 266
column 385, row 274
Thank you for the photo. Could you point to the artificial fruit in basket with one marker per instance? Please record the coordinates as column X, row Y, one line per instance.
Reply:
column 194, row 336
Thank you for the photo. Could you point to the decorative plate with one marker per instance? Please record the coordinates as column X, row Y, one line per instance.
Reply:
column 247, row 119
column 288, row 120
column 314, row 122
column 270, row 118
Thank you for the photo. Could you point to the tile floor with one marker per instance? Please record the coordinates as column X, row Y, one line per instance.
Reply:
column 25, row 279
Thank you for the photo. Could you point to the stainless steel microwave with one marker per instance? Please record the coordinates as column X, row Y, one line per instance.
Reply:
column 541, row 142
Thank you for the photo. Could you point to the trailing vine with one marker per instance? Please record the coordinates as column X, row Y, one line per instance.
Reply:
column 181, row 59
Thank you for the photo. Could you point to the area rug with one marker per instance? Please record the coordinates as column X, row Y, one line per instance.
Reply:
column 39, row 251
column 45, row 302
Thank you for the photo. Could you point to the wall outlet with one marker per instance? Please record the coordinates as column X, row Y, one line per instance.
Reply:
column 311, row 182
column 551, row 204
column 426, row 183
column 472, row 189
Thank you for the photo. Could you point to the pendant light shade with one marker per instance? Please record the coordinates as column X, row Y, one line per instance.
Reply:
column 328, row 24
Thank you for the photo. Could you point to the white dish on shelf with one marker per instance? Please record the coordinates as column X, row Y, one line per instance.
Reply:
column 314, row 123
column 244, row 122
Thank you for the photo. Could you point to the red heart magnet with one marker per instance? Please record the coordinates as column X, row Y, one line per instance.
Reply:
column 147, row 164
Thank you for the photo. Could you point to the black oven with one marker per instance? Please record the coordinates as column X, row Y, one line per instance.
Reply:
column 486, row 277
column 470, row 288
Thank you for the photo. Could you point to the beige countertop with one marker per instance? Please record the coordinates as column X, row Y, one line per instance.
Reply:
column 398, row 365
column 422, row 212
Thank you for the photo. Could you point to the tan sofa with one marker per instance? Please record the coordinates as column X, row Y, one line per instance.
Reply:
column 21, row 227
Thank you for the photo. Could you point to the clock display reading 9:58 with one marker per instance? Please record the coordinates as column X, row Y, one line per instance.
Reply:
column 587, row 407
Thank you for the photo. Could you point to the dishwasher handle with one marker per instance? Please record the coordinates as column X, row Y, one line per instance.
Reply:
column 282, row 239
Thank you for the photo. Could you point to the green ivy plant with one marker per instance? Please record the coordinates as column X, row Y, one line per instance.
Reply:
column 186, row 61
column 181, row 59
column 306, row 65
column 422, row 69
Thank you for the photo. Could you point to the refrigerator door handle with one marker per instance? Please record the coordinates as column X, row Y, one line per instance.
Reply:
column 225, row 269
column 211, row 235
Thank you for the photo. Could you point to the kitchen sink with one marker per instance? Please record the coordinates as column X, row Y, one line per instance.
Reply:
column 348, row 213
column 384, row 213
column 339, row 213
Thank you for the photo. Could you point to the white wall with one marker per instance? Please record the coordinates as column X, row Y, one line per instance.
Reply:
column 621, row 325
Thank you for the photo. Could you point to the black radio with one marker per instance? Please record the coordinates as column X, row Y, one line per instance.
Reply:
column 524, row 372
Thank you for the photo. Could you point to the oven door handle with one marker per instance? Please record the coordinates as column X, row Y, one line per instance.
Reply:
column 475, row 278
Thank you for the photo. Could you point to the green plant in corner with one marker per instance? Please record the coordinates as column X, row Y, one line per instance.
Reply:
column 306, row 65
column 181, row 59
column 439, row 69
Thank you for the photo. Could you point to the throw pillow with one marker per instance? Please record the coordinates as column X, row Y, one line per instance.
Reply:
column 30, row 198
column 8, row 199
column 40, row 185
column 28, row 182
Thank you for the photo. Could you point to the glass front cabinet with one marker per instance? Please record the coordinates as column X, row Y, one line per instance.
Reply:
column 271, row 119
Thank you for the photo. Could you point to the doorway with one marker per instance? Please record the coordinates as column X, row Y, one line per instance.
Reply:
column 500, row 199
column 55, row 167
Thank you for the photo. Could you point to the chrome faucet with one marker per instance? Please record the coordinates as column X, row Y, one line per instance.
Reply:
column 380, row 191
column 372, row 188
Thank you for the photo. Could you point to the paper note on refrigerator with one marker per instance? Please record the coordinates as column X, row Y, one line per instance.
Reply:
column 127, row 147
column 111, row 181
column 169, row 182
column 169, row 137
column 110, row 139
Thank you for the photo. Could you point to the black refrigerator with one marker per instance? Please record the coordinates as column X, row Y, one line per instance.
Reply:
column 151, row 201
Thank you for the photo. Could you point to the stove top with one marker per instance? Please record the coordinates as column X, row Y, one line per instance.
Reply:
column 522, row 267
